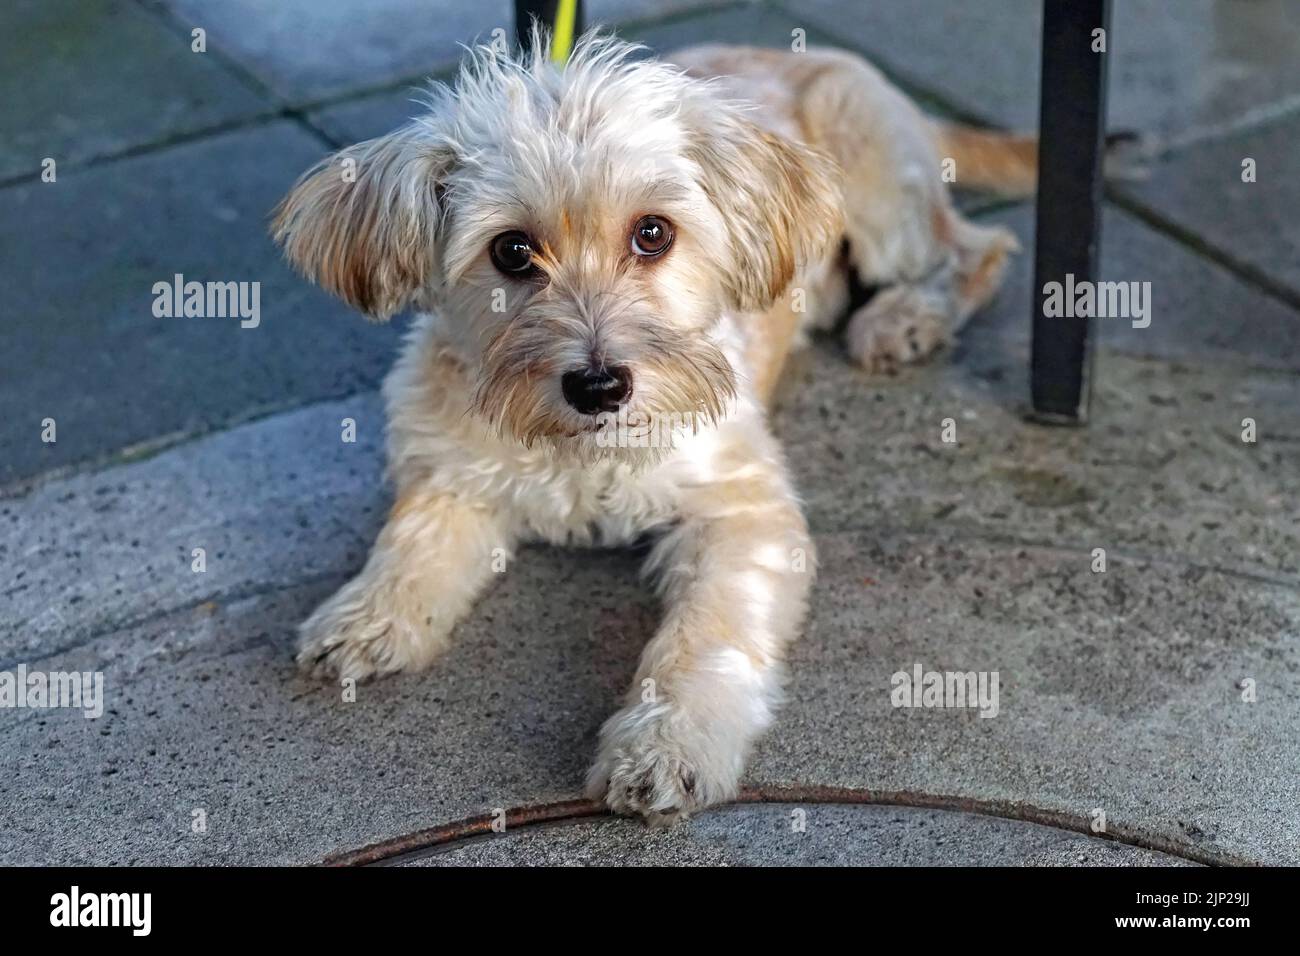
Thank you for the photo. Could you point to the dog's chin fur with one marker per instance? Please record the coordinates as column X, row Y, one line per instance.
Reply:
column 483, row 447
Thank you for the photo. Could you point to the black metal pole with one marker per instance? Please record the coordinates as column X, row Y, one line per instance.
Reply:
column 1072, row 132
column 545, row 11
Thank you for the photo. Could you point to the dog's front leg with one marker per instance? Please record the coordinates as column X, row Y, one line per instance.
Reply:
column 735, row 574
column 431, row 561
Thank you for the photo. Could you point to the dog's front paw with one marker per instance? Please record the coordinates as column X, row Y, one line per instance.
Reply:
column 901, row 325
column 656, row 763
column 353, row 635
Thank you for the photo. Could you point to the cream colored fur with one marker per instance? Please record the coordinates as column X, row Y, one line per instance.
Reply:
column 484, row 450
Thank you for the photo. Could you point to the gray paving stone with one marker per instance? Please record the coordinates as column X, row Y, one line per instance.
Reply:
column 311, row 49
column 86, row 78
column 1118, row 690
column 89, row 352
column 1160, row 472
column 833, row 835
column 271, row 505
column 757, row 24
column 1200, row 189
column 606, row 13
column 1178, row 67
column 372, row 115
column 1200, row 312
column 204, row 713
column 308, row 49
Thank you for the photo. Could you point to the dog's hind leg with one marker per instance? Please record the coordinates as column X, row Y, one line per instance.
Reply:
column 931, row 266
column 908, row 320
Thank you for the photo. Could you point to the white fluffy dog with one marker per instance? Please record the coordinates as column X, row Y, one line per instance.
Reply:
column 610, row 261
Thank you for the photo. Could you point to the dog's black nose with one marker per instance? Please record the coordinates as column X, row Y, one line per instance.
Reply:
column 592, row 391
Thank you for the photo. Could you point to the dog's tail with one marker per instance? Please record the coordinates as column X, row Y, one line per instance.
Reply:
column 989, row 160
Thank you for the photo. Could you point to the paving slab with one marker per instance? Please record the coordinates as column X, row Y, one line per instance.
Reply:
column 312, row 49
column 79, row 341
column 1120, row 691
column 1160, row 474
column 103, row 551
column 787, row 834
column 1178, row 68
column 87, row 78
column 204, row 714
column 373, row 115
column 1199, row 310
column 1253, row 222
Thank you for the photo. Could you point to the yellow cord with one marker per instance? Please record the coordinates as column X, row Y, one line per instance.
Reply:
column 566, row 12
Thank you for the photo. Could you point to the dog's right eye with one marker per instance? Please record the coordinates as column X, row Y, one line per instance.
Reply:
column 512, row 253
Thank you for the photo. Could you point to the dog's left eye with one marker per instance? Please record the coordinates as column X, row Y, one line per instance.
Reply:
column 512, row 253
column 651, row 236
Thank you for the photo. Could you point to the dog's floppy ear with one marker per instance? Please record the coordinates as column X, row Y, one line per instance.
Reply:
column 780, row 200
column 363, row 222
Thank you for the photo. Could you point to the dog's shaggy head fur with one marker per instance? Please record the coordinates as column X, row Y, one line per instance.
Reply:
column 567, row 163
